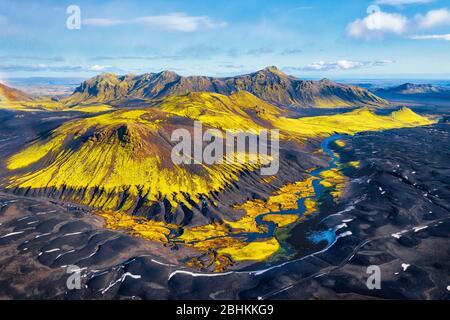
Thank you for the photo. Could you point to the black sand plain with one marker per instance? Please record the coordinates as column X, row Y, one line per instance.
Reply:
column 395, row 214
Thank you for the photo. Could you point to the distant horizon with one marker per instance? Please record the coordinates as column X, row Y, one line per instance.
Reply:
column 406, row 77
column 63, row 86
column 362, row 39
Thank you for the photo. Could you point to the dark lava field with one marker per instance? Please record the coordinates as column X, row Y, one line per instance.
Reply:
column 395, row 214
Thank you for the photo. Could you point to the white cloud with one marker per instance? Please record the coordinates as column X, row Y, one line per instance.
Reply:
column 398, row 3
column 376, row 25
column 343, row 65
column 433, row 18
column 172, row 22
column 431, row 37
column 379, row 24
column 97, row 67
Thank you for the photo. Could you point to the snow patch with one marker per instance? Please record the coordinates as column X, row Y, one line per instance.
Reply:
column 398, row 234
column 52, row 250
column 11, row 234
column 42, row 235
column 417, row 229
column 405, row 266
column 121, row 279
column 72, row 234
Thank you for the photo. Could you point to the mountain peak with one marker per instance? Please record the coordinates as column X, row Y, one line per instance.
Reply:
column 272, row 70
column 326, row 81
column 168, row 73
column 107, row 75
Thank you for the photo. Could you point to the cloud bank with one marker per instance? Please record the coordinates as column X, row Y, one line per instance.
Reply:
column 379, row 24
column 177, row 21
column 342, row 65
column 432, row 37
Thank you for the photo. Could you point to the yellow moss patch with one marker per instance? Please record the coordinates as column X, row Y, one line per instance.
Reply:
column 33, row 153
column 31, row 106
column 220, row 111
column 354, row 164
column 221, row 237
column 90, row 108
column 284, row 199
column 333, row 178
column 141, row 227
column 340, row 143
column 349, row 123
column 203, row 232
column 310, row 205
column 221, row 263
column 281, row 220
column 258, row 251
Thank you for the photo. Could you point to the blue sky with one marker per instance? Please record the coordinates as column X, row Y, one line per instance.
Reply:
column 335, row 39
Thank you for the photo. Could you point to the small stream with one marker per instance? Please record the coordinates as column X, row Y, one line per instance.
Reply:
column 300, row 211
column 327, row 235
column 315, row 237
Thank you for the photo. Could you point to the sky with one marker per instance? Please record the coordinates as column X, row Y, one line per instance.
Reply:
column 311, row 39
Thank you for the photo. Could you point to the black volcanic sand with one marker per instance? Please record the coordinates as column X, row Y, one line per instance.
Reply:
column 19, row 128
column 40, row 238
column 395, row 210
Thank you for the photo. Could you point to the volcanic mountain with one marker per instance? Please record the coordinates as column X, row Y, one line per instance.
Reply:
column 10, row 94
column 269, row 84
column 121, row 159
column 417, row 92
column 411, row 88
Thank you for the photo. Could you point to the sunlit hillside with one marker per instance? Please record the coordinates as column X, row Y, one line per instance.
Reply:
column 114, row 160
column 269, row 84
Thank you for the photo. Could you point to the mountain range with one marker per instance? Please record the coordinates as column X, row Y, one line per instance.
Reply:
column 416, row 92
column 269, row 84
column 11, row 94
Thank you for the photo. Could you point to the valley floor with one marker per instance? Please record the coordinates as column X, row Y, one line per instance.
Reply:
column 395, row 213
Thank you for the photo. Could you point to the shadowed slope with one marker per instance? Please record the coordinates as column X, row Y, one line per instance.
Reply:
column 8, row 94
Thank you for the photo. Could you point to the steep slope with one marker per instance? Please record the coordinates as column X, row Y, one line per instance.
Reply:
column 269, row 84
column 121, row 160
column 8, row 94
column 116, row 161
column 240, row 110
